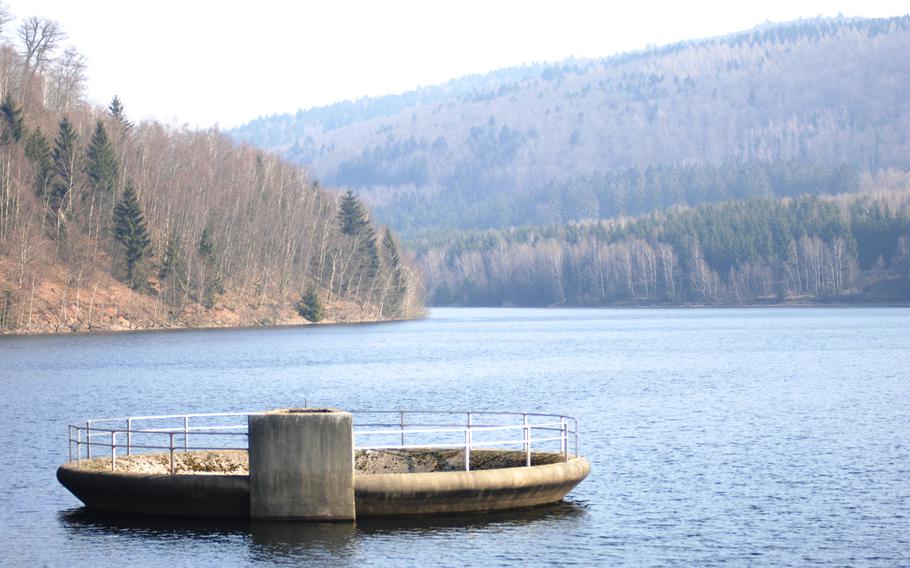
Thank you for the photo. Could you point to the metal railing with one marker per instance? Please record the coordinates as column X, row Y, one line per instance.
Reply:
column 404, row 430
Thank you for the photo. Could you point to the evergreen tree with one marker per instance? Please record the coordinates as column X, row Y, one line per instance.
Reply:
column 206, row 246
column 102, row 168
column 173, row 257
column 371, row 253
column 13, row 120
column 396, row 288
column 116, row 110
column 131, row 232
column 351, row 216
column 212, row 284
column 311, row 307
column 65, row 162
column 390, row 249
column 7, row 306
column 172, row 272
column 38, row 152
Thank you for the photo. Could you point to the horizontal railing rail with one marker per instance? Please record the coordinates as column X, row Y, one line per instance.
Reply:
column 427, row 429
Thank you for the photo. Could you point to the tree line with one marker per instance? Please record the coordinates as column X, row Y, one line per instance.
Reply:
column 630, row 192
column 187, row 220
column 847, row 248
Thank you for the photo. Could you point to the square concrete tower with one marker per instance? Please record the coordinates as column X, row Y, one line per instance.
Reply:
column 302, row 465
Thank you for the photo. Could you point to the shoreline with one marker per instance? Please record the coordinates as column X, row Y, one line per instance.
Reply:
column 820, row 305
column 214, row 328
column 368, row 322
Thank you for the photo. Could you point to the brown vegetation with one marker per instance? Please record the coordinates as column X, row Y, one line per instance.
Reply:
column 109, row 225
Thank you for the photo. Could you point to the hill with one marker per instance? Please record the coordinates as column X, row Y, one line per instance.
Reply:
column 109, row 225
column 622, row 135
column 846, row 249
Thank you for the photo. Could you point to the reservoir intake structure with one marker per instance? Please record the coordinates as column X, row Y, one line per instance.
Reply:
column 321, row 464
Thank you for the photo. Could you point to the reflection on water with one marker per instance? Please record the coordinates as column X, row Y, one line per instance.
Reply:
column 273, row 541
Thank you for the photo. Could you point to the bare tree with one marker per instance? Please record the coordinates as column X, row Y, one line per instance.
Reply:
column 67, row 80
column 40, row 37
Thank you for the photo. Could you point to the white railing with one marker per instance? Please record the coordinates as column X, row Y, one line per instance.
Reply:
column 378, row 429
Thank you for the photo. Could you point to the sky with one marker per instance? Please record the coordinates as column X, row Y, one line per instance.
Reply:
column 201, row 63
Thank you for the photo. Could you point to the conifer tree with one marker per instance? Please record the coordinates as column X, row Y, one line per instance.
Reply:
column 212, row 284
column 172, row 272
column 390, row 249
column 7, row 305
column 38, row 152
column 395, row 284
column 116, row 110
column 311, row 307
column 206, row 246
column 371, row 253
column 101, row 166
column 65, row 167
column 13, row 120
column 131, row 232
column 351, row 216
column 173, row 256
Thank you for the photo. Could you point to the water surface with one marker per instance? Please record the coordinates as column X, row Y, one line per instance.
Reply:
column 734, row 436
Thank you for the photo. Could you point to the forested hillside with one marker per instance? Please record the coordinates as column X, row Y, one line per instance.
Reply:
column 852, row 248
column 780, row 110
column 105, row 224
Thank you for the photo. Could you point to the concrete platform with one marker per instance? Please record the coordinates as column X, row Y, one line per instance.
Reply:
column 215, row 485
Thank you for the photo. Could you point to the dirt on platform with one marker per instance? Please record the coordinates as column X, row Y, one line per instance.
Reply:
column 366, row 462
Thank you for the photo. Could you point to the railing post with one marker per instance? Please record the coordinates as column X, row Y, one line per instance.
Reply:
column 564, row 435
column 401, row 424
column 576, row 436
column 129, row 436
column 88, row 439
column 467, row 445
column 171, row 434
column 527, row 438
column 78, row 445
column 113, row 451
column 186, row 433
column 69, row 443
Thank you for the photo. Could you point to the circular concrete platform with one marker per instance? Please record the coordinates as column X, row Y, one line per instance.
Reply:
column 216, row 484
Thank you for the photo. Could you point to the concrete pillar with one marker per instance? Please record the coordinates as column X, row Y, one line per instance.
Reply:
column 302, row 465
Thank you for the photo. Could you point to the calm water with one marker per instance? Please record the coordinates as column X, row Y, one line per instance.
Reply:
column 775, row 436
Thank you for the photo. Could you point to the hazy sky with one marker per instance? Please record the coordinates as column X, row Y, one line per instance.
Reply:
column 205, row 62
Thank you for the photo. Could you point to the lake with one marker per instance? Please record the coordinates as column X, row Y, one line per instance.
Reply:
column 716, row 436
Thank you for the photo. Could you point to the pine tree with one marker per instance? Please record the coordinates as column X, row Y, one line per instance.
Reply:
column 102, row 168
column 395, row 287
column 65, row 162
column 390, row 248
column 13, row 120
column 351, row 216
column 131, row 232
column 212, row 284
column 172, row 272
column 38, row 152
column 311, row 307
column 7, row 306
column 206, row 246
column 116, row 110
column 173, row 257
column 371, row 253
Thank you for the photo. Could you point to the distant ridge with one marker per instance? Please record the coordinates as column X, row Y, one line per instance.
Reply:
column 534, row 144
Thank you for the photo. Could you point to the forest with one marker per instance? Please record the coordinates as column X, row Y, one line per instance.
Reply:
column 694, row 122
column 767, row 166
column 107, row 224
column 850, row 248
